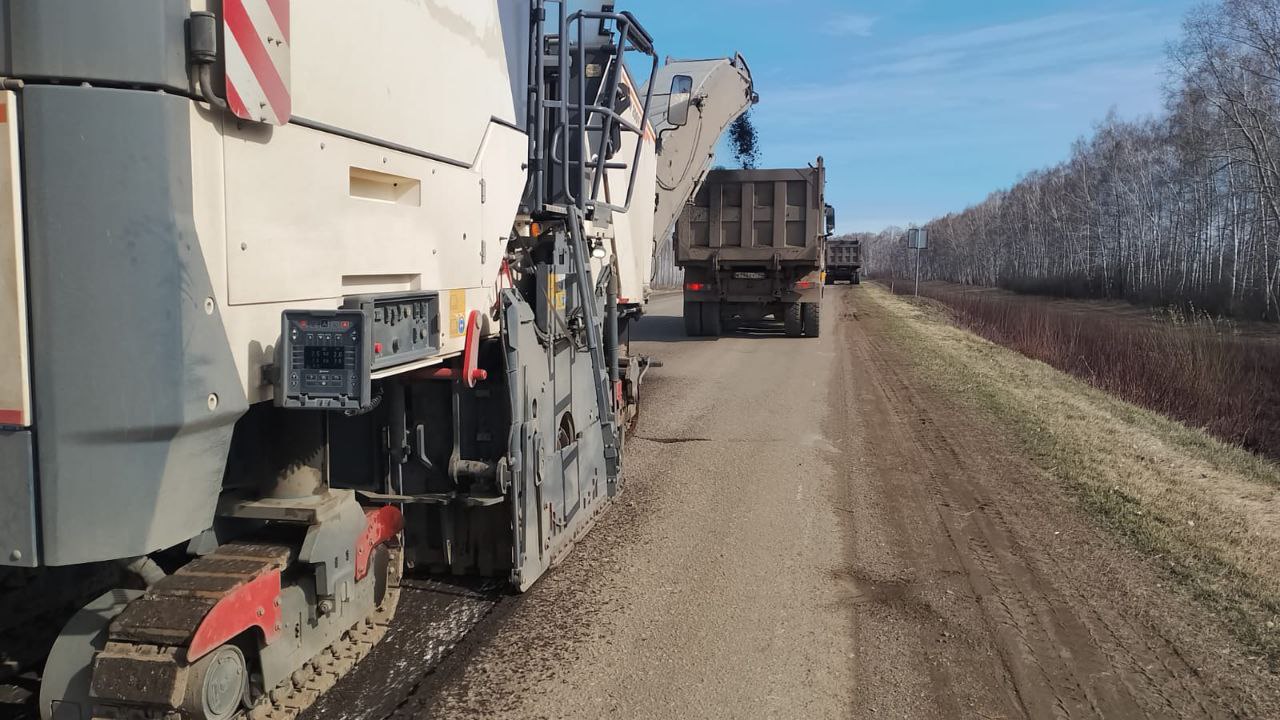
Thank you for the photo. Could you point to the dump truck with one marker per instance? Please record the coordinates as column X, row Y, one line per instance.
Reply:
column 295, row 298
column 751, row 246
column 844, row 260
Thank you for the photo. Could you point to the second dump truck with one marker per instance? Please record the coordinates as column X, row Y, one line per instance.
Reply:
column 844, row 260
column 751, row 246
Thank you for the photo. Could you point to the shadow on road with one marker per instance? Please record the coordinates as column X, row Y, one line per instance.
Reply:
column 668, row 329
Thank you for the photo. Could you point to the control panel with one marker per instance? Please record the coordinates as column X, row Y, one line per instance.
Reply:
column 325, row 360
column 404, row 326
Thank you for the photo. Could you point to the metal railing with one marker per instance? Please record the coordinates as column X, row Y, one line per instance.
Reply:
column 564, row 122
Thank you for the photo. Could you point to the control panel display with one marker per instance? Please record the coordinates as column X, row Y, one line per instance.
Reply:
column 404, row 326
column 325, row 360
column 324, row 357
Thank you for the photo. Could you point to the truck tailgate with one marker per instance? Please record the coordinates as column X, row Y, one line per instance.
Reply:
column 755, row 217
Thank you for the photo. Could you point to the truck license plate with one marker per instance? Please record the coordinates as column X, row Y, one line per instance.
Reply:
column 749, row 276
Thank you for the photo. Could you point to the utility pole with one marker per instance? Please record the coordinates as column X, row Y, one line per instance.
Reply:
column 917, row 272
column 918, row 238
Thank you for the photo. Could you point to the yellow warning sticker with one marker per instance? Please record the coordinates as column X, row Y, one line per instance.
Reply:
column 457, row 313
column 558, row 293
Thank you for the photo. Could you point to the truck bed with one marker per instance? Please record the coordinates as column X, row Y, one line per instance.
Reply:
column 754, row 218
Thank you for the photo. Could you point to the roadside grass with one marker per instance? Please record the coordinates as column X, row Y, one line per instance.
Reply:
column 1206, row 513
column 1191, row 368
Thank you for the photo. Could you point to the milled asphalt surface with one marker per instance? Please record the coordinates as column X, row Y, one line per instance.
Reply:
column 711, row 590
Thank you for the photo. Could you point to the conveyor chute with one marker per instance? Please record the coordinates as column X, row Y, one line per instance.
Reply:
column 722, row 91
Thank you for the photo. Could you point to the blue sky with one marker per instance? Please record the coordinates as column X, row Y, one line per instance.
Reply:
column 922, row 107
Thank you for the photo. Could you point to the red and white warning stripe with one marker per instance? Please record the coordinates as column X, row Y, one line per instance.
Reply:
column 15, row 363
column 257, row 50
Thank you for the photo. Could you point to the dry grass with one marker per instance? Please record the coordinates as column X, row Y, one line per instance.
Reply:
column 1207, row 513
column 1187, row 367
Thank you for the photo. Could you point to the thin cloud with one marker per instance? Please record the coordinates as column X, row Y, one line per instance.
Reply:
column 922, row 64
column 1022, row 31
column 850, row 24
column 1031, row 62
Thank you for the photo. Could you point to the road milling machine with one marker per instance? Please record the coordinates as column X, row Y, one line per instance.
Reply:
column 298, row 296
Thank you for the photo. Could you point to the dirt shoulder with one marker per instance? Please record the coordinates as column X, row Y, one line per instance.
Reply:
column 1156, row 544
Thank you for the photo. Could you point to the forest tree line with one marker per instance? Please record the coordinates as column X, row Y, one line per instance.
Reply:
column 1179, row 209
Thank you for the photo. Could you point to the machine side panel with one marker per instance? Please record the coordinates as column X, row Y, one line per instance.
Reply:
column 135, row 387
column 633, row 232
column 634, row 242
column 17, row 500
column 313, row 216
column 140, row 42
column 426, row 75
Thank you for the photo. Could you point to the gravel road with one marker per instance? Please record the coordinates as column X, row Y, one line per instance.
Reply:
column 808, row 533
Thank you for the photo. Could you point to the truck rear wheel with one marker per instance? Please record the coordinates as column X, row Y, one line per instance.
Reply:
column 692, row 319
column 793, row 320
column 711, row 323
column 811, row 318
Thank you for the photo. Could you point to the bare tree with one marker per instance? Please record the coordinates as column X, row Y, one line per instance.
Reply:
column 1181, row 209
